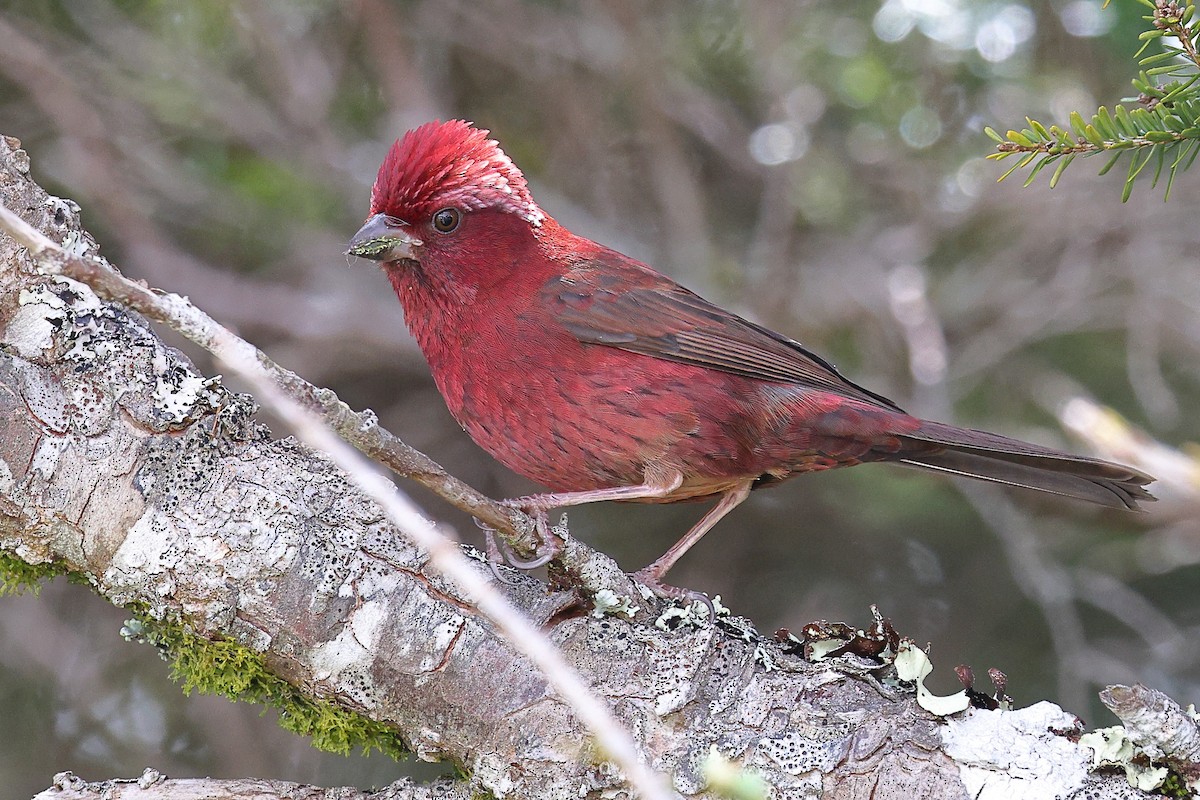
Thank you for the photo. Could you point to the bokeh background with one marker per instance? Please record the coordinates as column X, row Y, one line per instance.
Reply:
column 817, row 167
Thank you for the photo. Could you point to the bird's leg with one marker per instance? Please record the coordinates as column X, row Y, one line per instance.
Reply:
column 655, row 484
column 651, row 576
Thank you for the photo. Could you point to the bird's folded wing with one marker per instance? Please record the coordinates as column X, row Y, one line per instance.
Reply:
column 621, row 303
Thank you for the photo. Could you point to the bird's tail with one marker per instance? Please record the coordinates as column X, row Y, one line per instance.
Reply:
column 990, row 457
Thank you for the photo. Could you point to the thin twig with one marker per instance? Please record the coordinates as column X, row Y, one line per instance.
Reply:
column 297, row 402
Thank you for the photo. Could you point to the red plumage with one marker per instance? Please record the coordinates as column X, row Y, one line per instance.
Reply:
column 600, row 378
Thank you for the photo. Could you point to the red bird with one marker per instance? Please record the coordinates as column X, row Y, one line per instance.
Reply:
column 602, row 379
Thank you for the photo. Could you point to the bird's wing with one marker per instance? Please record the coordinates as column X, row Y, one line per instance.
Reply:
column 615, row 301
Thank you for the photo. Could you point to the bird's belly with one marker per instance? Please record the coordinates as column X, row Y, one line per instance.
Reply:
column 603, row 421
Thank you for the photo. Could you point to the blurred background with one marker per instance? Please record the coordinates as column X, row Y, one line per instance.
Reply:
column 817, row 167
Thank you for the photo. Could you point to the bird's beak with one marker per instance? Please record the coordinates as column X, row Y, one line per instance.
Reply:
column 383, row 238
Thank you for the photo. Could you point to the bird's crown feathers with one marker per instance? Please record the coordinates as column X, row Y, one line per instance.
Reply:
column 450, row 163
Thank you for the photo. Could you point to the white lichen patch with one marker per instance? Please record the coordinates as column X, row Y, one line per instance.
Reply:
column 178, row 390
column 694, row 615
column 40, row 315
column 76, row 243
column 47, row 456
column 110, row 345
column 64, row 212
column 607, row 602
column 368, row 623
column 88, row 346
column 1112, row 747
column 253, row 519
column 913, row 666
column 148, row 552
column 329, row 659
column 820, row 649
column 274, row 551
column 764, row 658
column 208, row 549
column 422, row 642
column 1006, row 754
column 345, row 665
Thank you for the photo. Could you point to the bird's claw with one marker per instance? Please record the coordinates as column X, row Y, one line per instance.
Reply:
column 495, row 556
column 650, row 579
column 499, row 553
column 546, row 553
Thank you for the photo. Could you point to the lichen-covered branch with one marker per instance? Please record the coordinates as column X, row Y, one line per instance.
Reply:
column 120, row 462
column 1156, row 724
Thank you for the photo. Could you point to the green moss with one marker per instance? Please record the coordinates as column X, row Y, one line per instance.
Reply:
column 18, row 576
column 224, row 667
column 1174, row 786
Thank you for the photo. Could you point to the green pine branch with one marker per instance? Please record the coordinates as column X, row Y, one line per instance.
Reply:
column 1162, row 130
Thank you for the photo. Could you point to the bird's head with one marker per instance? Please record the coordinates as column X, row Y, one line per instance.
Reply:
column 440, row 186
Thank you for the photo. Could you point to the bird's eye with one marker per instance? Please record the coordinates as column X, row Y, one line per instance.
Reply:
column 446, row 220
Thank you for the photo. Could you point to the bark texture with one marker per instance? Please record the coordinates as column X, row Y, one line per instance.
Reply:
column 120, row 460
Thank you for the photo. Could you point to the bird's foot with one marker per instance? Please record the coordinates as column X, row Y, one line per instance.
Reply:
column 649, row 578
column 499, row 553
